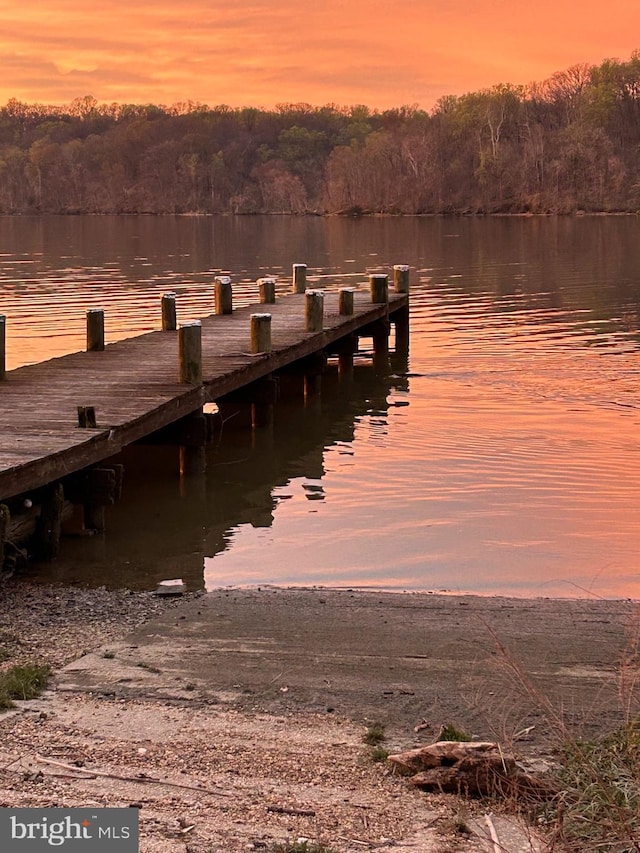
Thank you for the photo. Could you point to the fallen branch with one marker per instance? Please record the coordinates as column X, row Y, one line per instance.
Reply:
column 494, row 835
column 297, row 812
column 140, row 779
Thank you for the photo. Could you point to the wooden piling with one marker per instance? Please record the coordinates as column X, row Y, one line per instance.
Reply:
column 193, row 456
column 379, row 286
column 260, row 333
column 346, row 348
column 223, row 295
column 5, row 518
column 401, row 278
column 299, row 278
column 3, row 347
column 190, row 352
column 345, row 301
column 401, row 322
column 314, row 310
column 193, row 461
column 95, row 330
column 267, row 290
column 49, row 524
column 380, row 335
column 169, row 316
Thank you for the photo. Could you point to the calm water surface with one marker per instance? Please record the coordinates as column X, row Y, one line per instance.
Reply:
column 505, row 460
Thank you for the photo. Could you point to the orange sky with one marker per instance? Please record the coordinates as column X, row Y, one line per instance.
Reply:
column 382, row 53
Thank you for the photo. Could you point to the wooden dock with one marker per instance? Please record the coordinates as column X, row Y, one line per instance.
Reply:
column 133, row 386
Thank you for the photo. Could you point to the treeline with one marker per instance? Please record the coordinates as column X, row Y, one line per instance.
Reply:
column 569, row 143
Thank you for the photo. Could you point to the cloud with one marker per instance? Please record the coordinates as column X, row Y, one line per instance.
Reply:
column 261, row 52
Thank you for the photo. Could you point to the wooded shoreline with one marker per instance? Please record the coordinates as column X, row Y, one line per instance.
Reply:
column 565, row 145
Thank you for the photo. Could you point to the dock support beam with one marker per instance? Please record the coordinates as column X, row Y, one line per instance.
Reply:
column 380, row 336
column 5, row 518
column 49, row 526
column 401, row 322
column 3, row 347
column 314, row 366
column 193, row 455
column 346, row 348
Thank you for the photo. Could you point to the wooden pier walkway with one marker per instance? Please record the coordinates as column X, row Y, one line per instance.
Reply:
column 133, row 385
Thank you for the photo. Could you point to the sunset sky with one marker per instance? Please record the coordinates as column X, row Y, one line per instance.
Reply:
column 382, row 53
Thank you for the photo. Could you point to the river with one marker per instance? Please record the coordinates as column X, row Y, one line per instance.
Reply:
column 505, row 460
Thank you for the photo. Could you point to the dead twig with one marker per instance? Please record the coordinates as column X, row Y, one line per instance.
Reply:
column 494, row 835
column 143, row 779
column 286, row 810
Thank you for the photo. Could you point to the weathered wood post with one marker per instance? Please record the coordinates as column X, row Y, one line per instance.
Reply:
column 3, row 347
column 169, row 316
column 346, row 348
column 5, row 518
column 49, row 524
column 260, row 333
column 314, row 310
column 345, row 301
column 193, row 438
column 190, row 352
column 223, row 295
column 267, row 290
column 314, row 366
column 379, row 286
column 401, row 278
column 263, row 405
column 401, row 317
column 95, row 330
column 299, row 278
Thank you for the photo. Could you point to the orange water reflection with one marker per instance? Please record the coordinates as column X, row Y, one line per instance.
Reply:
column 506, row 462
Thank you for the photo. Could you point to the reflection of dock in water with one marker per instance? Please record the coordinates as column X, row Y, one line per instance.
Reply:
column 70, row 426
column 165, row 526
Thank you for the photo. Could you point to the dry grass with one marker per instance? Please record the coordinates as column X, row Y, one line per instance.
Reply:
column 597, row 807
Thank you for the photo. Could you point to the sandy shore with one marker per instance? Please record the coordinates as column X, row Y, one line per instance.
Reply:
column 236, row 718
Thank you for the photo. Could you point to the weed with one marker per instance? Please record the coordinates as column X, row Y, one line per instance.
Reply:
column 5, row 654
column 451, row 732
column 22, row 682
column 374, row 734
column 149, row 667
column 379, row 753
column 299, row 847
column 109, row 655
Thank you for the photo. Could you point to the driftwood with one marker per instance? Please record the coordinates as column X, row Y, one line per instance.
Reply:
column 474, row 768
